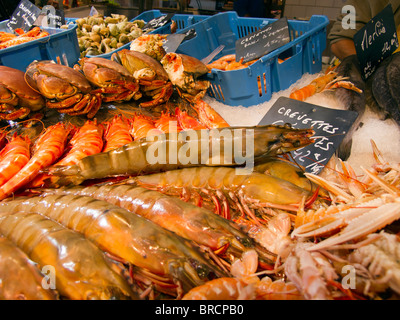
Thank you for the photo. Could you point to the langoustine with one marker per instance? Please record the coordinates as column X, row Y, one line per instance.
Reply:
column 167, row 259
column 245, row 285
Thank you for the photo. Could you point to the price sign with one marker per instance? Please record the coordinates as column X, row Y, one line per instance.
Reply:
column 158, row 22
column 24, row 16
column 376, row 41
column 50, row 17
column 261, row 42
column 330, row 126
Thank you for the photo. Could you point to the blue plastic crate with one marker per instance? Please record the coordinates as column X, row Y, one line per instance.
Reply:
column 257, row 83
column 58, row 44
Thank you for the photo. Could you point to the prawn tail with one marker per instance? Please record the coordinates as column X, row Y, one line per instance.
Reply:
column 65, row 175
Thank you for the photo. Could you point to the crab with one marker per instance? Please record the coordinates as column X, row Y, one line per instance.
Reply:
column 153, row 79
column 184, row 72
column 112, row 79
column 64, row 88
column 17, row 99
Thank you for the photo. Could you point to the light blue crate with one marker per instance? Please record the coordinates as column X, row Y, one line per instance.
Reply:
column 257, row 83
column 58, row 44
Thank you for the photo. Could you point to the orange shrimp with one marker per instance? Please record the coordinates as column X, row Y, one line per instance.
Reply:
column 48, row 148
column 87, row 140
column 317, row 85
column 13, row 157
column 228, row 62
column 168, row 123
column 187, row 122
column 33, row 34
column 117, row 133
column 209, row 116
column 141, row 126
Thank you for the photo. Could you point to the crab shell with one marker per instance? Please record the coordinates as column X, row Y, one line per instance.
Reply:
column 184, row 71
column 135, row 61
column 56, row 81
column 14, row 91
column 100, row 71
column 115, row 81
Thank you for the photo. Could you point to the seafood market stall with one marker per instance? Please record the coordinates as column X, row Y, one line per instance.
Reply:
column 144, row 148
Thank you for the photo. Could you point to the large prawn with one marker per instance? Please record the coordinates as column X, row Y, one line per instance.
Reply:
column 129, row 237
column 20, row 278
column 138, row 157
column 48, row 148
column 185, row 219
column 245, row 193
column 82, row 271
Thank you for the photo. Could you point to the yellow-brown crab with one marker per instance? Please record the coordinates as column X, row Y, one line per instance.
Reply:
column 149, row 72
column 65, row 89
column 113, row 81
column 17, row 99
column 183, row 71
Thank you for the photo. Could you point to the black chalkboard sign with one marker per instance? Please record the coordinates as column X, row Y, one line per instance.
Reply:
column 376, row 41
column 263, row 41
column 50, row 17
column 330, row 126
column 158, row 22
column 24, row 16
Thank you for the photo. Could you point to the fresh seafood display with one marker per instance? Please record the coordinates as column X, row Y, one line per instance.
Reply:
column 129, row 185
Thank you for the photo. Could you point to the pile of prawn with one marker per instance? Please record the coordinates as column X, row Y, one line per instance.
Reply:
column 163, row 231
